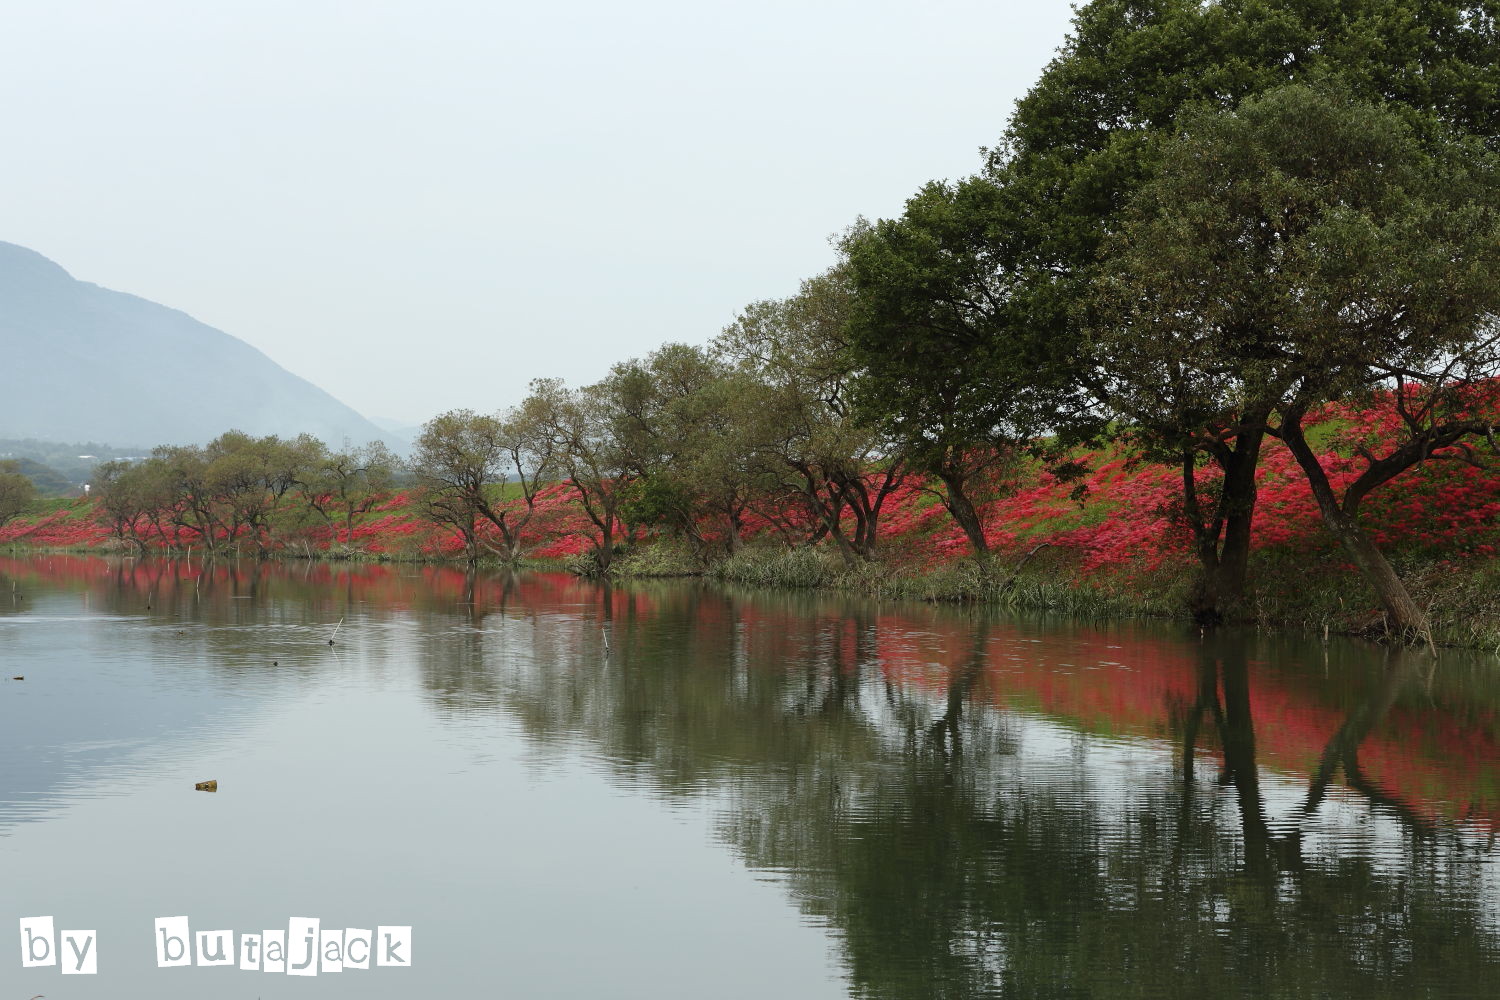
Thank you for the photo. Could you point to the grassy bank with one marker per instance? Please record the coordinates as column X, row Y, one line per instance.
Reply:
column 1288, row 589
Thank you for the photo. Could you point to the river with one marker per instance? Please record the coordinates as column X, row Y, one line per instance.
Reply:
column 680, row 790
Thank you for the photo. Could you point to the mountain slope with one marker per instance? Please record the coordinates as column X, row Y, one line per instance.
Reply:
column 79, row 362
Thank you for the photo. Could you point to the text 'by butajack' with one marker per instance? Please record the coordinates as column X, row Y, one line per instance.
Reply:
column 303, row 948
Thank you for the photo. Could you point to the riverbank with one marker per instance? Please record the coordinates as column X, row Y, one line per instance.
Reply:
column 1108, row 542
column 1287, row 590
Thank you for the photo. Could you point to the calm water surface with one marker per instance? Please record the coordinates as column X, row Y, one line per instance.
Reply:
column 682, row 791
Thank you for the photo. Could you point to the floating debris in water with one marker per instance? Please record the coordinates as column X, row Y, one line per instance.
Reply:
column 18, row 677
column 207, row 786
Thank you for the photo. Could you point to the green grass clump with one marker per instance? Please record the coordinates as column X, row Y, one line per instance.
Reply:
column 662, row 559
column 1046, row 584
column 778, row 566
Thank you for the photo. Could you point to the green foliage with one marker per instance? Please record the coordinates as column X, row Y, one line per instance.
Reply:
column 946, row 357
column 1042, row 586
column 340, row 485
column 471, row 466
column 1302, row 249
column 17, row 491
column 232, row 489
column 947, row 365
column 1304, row 246
column 689, row 421
column 656, row 500
column 810, row 441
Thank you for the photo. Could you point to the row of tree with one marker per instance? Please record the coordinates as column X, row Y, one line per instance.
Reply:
column 239, row 489
column 1205, row 223
column 699, row 442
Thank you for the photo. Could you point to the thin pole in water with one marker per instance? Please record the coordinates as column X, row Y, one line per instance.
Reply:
column 336, row 631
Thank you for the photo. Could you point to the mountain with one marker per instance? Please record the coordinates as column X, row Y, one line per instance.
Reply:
column 83, row 363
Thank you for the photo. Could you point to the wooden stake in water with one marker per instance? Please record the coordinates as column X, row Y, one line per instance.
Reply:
column 336, row 631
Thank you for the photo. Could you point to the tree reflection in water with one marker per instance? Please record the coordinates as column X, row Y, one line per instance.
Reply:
column 961, row 847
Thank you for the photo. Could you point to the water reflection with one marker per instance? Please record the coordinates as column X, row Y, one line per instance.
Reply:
column 980, row 810
column 972, row 805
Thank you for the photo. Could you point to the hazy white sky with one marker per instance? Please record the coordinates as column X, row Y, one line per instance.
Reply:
column 424, row 205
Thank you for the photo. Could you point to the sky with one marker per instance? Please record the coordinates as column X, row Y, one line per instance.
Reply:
column 421, row 206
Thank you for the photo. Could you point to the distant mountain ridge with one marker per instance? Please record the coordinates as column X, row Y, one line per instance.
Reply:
column 79, row 362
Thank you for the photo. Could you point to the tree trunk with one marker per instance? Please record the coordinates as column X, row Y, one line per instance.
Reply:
column 863, row 542
column 830, row 513
column 1342, row 749
column 1223, row 544
column 1403, row 617
column 732, row 527
column 1239, row 498
column 851, row 558
column 606, row 542
column 962, row 510
column 1015, row 574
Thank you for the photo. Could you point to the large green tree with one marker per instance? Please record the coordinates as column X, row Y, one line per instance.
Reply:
column 1306, row 248
column 945, row 363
